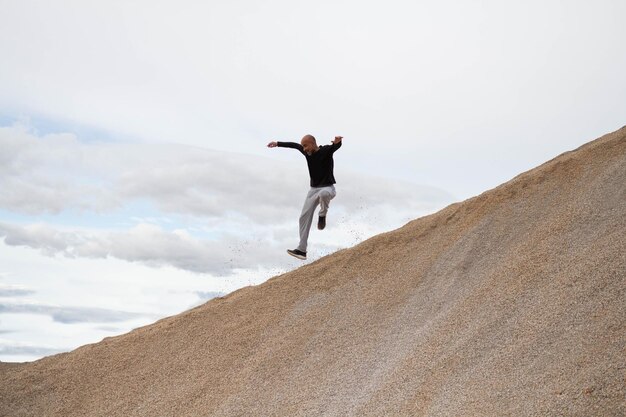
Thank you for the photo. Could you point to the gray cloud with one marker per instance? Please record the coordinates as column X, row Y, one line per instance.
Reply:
column 69, row 315
column 39, row 236
column 29, row 350
column 52, row 173
column 10, row 290
column 205, row 296
column 147, row 244
column 15, row 292
column 110, row 329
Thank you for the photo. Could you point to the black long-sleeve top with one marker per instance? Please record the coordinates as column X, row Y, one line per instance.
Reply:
column 320, row 162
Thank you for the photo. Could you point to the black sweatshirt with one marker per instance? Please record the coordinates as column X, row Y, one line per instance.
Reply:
column 320, row 162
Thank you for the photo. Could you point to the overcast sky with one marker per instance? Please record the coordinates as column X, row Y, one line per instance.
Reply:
column 135, row 181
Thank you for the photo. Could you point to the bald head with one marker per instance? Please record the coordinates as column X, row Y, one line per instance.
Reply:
column 309, row 144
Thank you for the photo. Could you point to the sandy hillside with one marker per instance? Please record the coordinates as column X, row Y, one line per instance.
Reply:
column 510, row 303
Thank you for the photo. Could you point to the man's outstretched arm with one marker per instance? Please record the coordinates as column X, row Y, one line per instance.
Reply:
column 336, row 143
column 293, row 145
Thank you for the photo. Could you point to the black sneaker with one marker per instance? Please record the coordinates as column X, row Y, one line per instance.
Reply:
column 321, row 222
column 297, row 254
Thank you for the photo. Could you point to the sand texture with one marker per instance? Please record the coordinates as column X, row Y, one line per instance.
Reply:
column 512, row 303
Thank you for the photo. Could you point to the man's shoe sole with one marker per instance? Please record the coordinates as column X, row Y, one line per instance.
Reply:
column 321, row 224
column 295, row 255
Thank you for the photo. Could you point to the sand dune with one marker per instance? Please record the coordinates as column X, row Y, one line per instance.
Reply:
column 509, row 303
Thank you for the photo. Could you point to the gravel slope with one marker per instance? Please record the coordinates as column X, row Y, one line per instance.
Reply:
column 509, row 303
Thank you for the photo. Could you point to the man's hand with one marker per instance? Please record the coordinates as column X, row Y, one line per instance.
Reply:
column 272, row 144
column 337, row 139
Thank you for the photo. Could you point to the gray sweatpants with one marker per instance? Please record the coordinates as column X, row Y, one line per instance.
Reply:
column 321, row 196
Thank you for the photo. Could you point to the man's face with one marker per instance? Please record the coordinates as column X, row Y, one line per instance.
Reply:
column 308, row 145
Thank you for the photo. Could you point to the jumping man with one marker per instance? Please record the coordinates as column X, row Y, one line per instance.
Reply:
column 320, row 162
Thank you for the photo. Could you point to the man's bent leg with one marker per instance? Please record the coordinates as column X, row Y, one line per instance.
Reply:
column 306, row 217
column 325, row 195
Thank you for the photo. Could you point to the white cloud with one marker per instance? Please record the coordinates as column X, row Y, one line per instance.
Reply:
column 244, row 206
column 436, row 90
column 145, row 243
column 51, row 173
